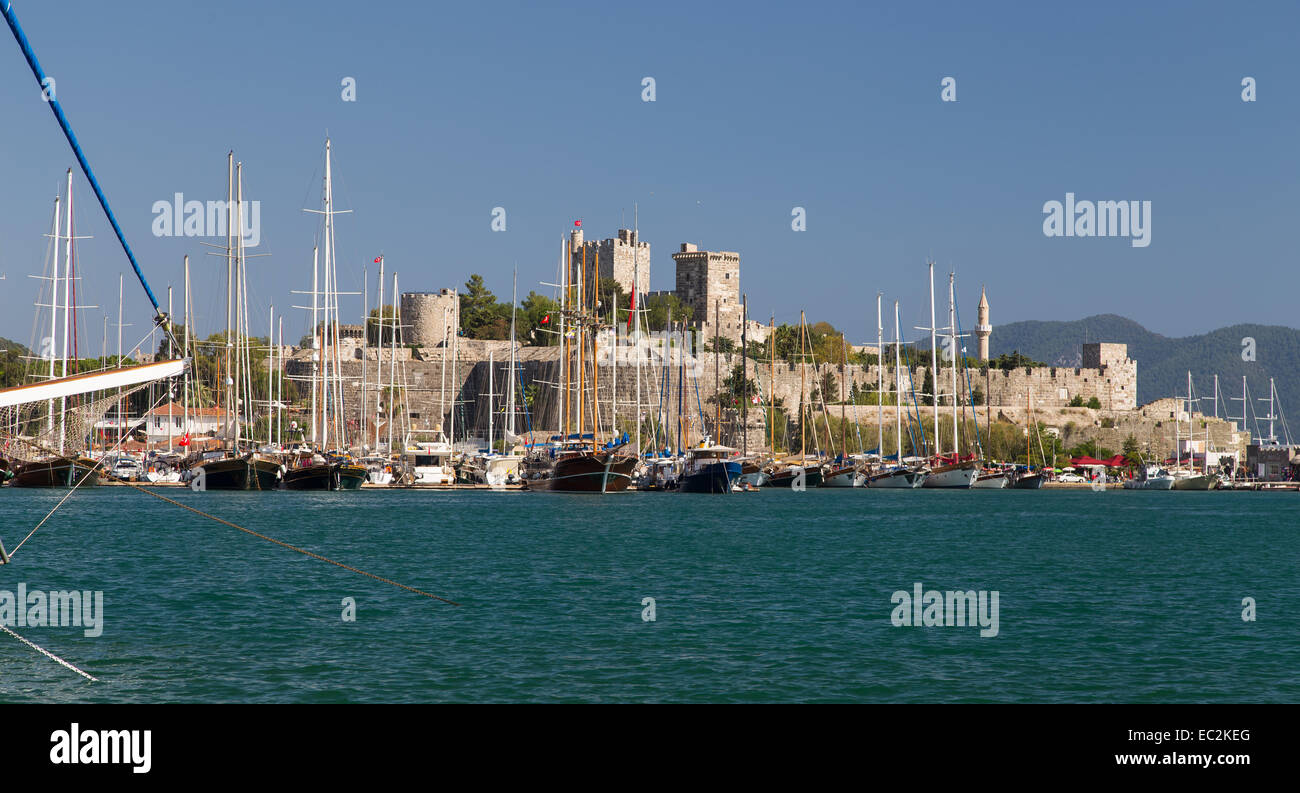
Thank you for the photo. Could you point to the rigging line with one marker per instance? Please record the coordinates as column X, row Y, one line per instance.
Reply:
column 68, row 495
column 57, row 109
column 48, row 654
column 284, row 544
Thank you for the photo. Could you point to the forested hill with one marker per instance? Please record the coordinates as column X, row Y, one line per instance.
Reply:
column 1163, row 362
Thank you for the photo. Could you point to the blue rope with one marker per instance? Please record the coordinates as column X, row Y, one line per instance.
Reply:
column 76, row 147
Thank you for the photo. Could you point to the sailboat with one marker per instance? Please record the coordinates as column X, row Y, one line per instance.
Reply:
column 312, row 466
column 1187, row 478
column 240, row 466
column 52, row 463
column 947, row 471
column 575, row 462
column 1029, row 479
column 491, row 467
column 900, row 475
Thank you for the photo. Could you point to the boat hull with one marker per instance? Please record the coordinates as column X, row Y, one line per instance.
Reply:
column 848, row 476
column 904, row 478
column 1202, row 482
column 1161, row 483
column 239, row 473
column 990, row 482
column 63, row 472
column 788, row 477
column 1028, row 482
column 587, row 473
column 325, row 476
column 714, row 477
column 955, row 477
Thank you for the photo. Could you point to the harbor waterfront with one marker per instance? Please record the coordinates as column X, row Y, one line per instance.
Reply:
column 770, row 596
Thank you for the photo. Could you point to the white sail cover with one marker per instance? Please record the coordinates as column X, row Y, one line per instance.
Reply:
column 88, row 383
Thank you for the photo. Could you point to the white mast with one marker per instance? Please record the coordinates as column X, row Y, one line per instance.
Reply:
column 315, row 339
column 365, row 344
column 327, row 391
column 952, row 330
column 230, row 270
column 185, row 383
column 898, row 388
column 636, row 323
column 880, row 378
column 67, row 310
column 169, row 385
column 934, row 368
column 239, row 279
column 455, row 368
column 510, row 396
column 271, row 407
column 491, row 386
column 392, row 377
column 54, row 317
column 121, row 429
column 379, row 347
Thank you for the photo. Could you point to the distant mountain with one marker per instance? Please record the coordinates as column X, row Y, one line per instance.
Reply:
column 1163, row 362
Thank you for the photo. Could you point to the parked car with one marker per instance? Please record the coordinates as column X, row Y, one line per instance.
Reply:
column 1070, row 478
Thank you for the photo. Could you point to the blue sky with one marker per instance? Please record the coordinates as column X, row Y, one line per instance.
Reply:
column 759, row 108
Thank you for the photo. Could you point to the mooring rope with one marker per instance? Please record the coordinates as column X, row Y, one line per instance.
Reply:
column 284, row 544
column 48, row 654
column 68, row 495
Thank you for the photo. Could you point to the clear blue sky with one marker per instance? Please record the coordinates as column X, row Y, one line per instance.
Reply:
column 462, row 107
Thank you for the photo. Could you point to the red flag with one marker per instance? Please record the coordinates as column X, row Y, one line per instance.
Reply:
column 577, row 223
column 378, row 259
column 632, row 309
column 185, row 439
column 546, row 319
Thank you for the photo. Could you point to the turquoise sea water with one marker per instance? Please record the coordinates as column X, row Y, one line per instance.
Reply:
column 770, row 596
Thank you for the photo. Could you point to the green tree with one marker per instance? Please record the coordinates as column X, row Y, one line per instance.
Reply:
column 538, row 320
column 390, row 320
column 480, row 317
column 1094, row 403
column 660, row 309
column 1132, row 450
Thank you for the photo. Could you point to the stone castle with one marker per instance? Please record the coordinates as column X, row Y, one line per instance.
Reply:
column 709, row 283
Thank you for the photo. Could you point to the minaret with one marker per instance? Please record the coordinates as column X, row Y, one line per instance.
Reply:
column 982, row 326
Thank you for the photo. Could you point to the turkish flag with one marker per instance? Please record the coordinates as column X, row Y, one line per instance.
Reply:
column 546, row 319
column 378, row 259
column 185, row 439
column 577, row 223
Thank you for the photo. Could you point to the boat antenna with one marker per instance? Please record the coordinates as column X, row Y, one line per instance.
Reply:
column 160, row 317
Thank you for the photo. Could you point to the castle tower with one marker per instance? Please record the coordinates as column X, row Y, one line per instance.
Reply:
column 429, row 318
column 624, row 258
column 982, row 327
column 709, row 282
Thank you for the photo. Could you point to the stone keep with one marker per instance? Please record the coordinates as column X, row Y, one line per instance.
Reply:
column 429, row 318
column 620, row 258
column 709, row 281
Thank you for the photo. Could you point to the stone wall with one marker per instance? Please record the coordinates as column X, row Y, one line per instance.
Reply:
column 433, row 388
